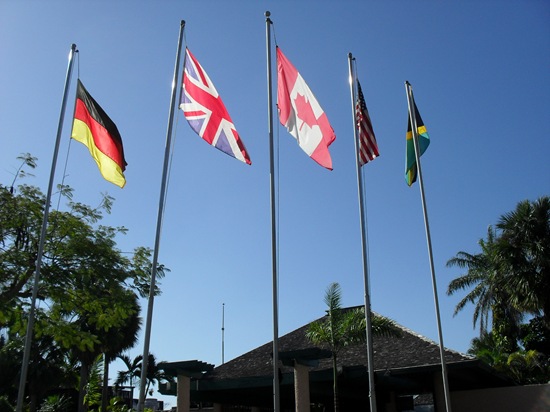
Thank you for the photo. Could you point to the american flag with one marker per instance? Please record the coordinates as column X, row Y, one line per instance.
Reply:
column 368, row 149
column 204, row 110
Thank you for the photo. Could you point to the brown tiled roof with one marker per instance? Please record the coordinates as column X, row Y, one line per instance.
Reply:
column 403, row 365
column 409, row 350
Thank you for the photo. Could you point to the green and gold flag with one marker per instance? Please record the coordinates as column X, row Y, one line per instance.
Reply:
column 423, row 143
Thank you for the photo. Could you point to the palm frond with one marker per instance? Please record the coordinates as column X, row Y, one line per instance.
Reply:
column 333, row 297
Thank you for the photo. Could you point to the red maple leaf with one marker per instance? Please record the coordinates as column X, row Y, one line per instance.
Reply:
column 305, row 111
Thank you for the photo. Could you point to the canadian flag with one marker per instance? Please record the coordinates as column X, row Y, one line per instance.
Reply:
column 301, row 114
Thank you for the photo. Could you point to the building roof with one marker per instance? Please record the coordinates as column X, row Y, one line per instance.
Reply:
column 409, row 350
column 404, row 364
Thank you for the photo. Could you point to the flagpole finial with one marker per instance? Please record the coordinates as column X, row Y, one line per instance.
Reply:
column 267, row 13
column 182, row 23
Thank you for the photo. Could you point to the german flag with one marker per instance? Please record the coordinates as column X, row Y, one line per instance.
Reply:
column 93, row 128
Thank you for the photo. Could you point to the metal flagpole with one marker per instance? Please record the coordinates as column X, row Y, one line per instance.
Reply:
column 223, row 330
column 412, row 119
column 364, row 242
column 30, row 324
column 162, row 197
column 276, row 406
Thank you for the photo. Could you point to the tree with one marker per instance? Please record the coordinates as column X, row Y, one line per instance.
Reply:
column 50, row 368
column 525, row 248
column 154, row 373
column 87, row 295
column 20, row 217
column 344, row 327
column 91, row 319
column 26, row 160
column 523, row 366
column 508, row 280
column 119, row 340
column 489, row 291
column 536, row 336
column 132, row 371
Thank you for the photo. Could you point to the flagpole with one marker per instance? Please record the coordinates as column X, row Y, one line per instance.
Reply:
column 276, row 406
column 162, row 198
column 30, row 324
column 364, row 242
column 412, row 118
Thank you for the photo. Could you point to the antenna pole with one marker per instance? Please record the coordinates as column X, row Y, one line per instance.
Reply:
column 223, row 330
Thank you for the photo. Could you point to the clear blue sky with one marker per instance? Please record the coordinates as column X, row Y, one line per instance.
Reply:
column 480, row 73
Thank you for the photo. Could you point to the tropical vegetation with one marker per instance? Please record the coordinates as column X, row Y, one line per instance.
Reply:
column 508, row 282
column 343, row 327
column 154, row 374
column 87, row 307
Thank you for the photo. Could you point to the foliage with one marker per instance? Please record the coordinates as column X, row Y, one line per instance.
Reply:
column 508, row 281
column 133, row 370
column 49, row 367
column 26, row 160
column 154, row 374
column 56, row 403
column 5, row 405
column 92, row 398
column 528, row 367
column 344, row 327
column 523, row 366
column 525, row 252
column 536, row 336
column 117, row 405
column 87, row 301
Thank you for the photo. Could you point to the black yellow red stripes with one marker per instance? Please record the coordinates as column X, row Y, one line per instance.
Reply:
column 94, row 128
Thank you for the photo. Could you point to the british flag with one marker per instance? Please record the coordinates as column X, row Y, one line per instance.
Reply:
column 204, row 110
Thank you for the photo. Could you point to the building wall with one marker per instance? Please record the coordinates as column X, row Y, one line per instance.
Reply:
column 531, row 398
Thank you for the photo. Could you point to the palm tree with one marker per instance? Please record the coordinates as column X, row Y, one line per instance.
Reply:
column 489, row 291
column 153, row 376
column 344, row 327
column 525, row 247
column 133, row 370
column 511, row 275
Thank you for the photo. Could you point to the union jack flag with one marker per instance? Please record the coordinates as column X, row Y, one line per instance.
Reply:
column 204, row 110
column 368, row 148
